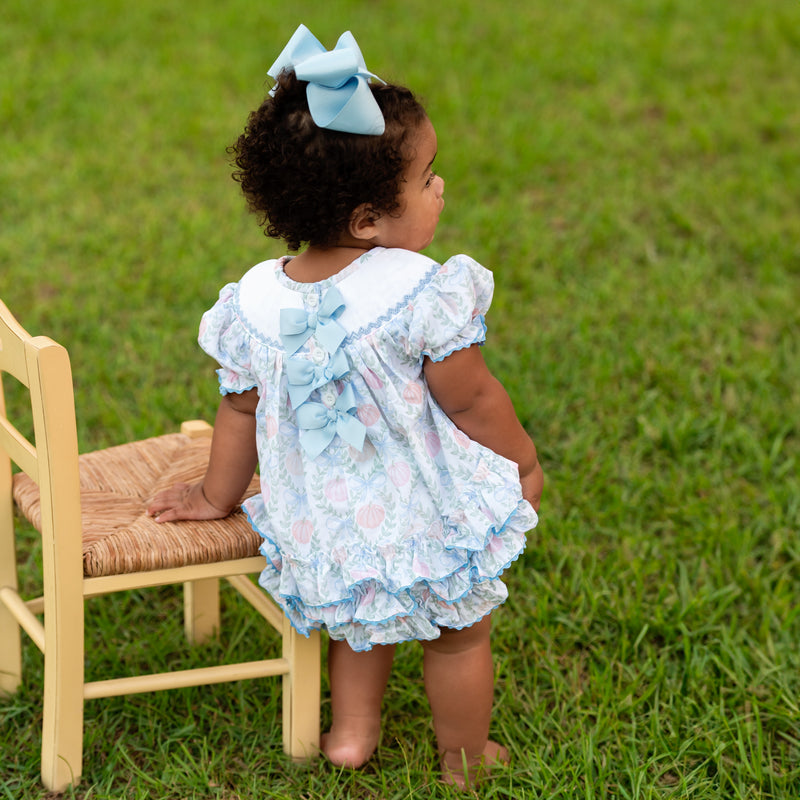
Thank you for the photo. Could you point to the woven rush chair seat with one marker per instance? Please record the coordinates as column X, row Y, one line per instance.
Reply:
column 116, row 484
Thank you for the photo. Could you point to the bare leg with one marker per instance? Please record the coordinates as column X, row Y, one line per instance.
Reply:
column 358, row 681
column 459, row 682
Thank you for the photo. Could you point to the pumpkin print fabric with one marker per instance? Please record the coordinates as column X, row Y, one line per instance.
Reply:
column 391, row 523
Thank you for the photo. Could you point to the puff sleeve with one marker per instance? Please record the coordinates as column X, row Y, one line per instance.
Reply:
column 224, row 337
column 449, row 314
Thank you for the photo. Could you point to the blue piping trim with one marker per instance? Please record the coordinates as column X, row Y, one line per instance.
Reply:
column 392, row 312
column 479, row 340
column 224, row 390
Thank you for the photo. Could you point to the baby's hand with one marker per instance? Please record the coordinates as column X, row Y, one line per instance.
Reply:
column 183, row 501
column 532, row 484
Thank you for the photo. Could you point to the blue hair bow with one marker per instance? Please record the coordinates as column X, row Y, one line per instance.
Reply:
column 296, row 325
column 318, row 424
column 305, row 376
column 339, row 97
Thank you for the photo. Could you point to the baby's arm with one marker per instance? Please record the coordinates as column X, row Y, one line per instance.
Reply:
column 231, row 466
column 478, row 404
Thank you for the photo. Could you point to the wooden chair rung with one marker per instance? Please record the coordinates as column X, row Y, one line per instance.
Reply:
column 257, row 599
column 92, row 587
column 24, row 616
column 201, row 676
column 35, row 605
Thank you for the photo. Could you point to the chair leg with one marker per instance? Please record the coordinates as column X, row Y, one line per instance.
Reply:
column 62, row 723
column 10, row 650
column 201, row 609
column 11, row 647
column 301, row 694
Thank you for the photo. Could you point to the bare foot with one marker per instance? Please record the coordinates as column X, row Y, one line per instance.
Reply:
column 466, row 772
column 351, row 748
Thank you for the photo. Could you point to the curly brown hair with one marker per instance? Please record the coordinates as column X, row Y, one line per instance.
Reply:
column 304, row 182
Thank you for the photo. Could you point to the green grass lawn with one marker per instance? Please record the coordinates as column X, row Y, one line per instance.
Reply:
column 629, row 169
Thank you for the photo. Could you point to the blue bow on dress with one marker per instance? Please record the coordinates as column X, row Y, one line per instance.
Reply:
column 318, row 424
column 305, row 376
column 296, row 325
column 338, row 93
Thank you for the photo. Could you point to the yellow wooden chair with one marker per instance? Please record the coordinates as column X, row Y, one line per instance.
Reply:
column 97, row 539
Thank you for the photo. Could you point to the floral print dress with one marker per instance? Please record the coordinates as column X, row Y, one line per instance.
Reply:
column 381, row 521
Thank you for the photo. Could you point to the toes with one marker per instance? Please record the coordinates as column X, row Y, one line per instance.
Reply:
column 466, row 772
column 349, row 754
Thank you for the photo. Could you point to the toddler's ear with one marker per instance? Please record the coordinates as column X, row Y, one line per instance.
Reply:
column 363, row 222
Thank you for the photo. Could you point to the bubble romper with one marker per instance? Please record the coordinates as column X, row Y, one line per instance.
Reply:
column 381, row 521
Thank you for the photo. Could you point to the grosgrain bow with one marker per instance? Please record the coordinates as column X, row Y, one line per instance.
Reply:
column 338, row 93
column 305, row 376
column 296, row 325
column 318, row 424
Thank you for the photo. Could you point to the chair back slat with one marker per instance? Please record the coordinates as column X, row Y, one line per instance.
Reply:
column 19, row 358
column 14, row 446
column 13, row 358
column 51, row 460
column 19, row 449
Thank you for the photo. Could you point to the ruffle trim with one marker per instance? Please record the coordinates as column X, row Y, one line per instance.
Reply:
column 227, row 387
column 479, row 338
column 375, row 610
